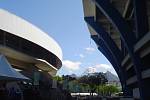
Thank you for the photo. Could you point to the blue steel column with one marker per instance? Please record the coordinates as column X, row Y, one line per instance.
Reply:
column 141, row 17
column 126, row 35
column 103, row 48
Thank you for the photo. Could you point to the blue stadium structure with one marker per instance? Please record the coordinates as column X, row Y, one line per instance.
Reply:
column 120, row 28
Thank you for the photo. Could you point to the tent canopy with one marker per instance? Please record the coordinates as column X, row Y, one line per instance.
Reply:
column 8, row 73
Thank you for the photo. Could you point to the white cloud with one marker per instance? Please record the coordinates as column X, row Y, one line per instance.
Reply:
column 81, row 55
column 70, row 71
column 90, row 49
column 105, row 66
column 71, row 65
column 100, row 68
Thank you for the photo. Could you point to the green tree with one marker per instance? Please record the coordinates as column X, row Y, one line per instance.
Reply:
column 107, row 90
column 93, row 80
column 84, row 87
column 58, row 79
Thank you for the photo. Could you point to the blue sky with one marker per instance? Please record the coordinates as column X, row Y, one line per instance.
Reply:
column 63, row 20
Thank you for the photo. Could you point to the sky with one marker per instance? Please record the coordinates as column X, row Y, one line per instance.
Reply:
column 64, row 21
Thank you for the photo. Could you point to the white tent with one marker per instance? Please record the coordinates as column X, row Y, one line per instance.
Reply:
column 7, row 72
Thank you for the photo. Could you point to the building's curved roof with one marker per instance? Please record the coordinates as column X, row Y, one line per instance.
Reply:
column 19, row 27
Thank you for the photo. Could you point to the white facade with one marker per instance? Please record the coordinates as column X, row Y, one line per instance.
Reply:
column 19, row 27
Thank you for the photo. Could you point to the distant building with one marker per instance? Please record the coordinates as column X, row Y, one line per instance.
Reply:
column 90, row 70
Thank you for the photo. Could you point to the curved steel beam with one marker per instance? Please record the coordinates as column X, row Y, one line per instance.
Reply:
column 109, row 46
column 105, row 36
column 105, row 51
column 103, row 48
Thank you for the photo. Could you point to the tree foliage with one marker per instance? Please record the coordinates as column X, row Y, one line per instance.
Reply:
column 88, row 83
column 58, row 78
column 107, row 90
column 68, row 78
column 93, row 80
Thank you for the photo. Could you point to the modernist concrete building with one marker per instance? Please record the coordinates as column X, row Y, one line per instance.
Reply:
column 120, row 28
column 26, row 47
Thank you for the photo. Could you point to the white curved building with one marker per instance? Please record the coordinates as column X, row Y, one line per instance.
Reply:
column 27, row 47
